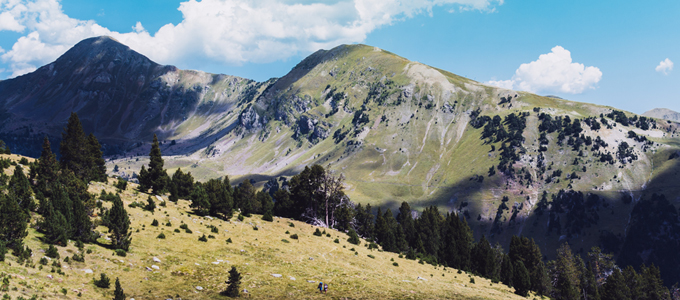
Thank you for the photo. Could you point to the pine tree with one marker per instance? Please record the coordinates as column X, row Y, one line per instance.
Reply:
column 144, row 180
column 74, row 147
column 82, row 225
column 428, row 227
column 96, row 166
column 405, row 219
column 615, row 287
column 283, row 206
column 119, row 225
column 521, row 280
column 199, row 200
column 118, row 294
column 20, row 189
column 47, row 169
column 158, row 178
column 483, row 261
column 507, row 271
column 54, row 225
column 219, row 197
column 353, row 237
column 565, row 271
column 234, row 284
column 150, row 204
column 245, row 197
column 652, row 285
column 13, row 222
column 266, row 203
column 184, row 183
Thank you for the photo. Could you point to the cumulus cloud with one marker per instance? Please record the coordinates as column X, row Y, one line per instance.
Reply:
column 553, row 72
column 222, row 31
column 665, row 66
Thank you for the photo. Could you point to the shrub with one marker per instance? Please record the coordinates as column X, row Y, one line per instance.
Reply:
column 229, row 241
column 317, row 232
column 240, row 217
column 43, row 261
column 66, row 259
column 177, row 230
column 188, row 230
column 268, row 216
column 291, row 224
column 372, row 246
column 328, row 235
column 287, row 232
column 52, row 252
column 161, row 236
column 121, row 184
column 472, row 280
column 23, row 161
column 184, row 226
column 154, row 222
column 371, row 256
column 337, row 241
column 214, row 230
column 395, row 264
column 255, row 228
column 168, row 224
column 210, row 236
column 285, row 241
column 103, row 282
column 294, row 236
column 203, row 238
column 353, row 237
column 121, row 252
column 79, row 257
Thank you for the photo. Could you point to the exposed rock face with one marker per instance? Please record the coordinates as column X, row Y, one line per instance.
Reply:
column 306, row 124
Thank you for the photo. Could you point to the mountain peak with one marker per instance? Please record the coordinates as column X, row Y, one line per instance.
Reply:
column 663, row 113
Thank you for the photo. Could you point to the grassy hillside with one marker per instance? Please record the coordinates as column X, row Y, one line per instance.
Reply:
column 191, row 269
column 405, row 135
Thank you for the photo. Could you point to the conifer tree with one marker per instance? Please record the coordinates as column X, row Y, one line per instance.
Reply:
column 266, row 203
column 47, row 169
column 199, row 200
column 119, row 225
column 521, row 280
column 13, row 222
column 184, row 183
column 158, row 179
column 483, row 258
column 96, row 165
column 219, row 197
column 507, row 271
column 234, row 284
column 118, row 293
column 150, row 204
column 405, row 219
column 82, row 225
column 428, row 226
column 21, row 190
column 615, row 287
column 245, row 197
column 144, row 180
column 284, row 205
column 566, row 274
column 54, row 225
column 74, row 147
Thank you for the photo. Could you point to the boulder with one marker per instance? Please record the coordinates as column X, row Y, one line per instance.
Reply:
column 199, row 288
column 277, row 275
column 155, row 267
column 156, row 259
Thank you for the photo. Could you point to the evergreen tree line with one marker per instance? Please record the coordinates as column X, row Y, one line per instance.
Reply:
column 315, row 195
column 56, row 189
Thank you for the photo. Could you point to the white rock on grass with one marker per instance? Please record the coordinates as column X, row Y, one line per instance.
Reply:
column 216, row 263
column 155, row 267
column 155, row 259
column 200, row 288
column 292, row 278
column 277, row 275
column 88, row 271
column 421, row 278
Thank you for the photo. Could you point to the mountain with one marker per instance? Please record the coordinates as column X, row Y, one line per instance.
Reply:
column 663, row 113
column 120, row 95
column 513, row 163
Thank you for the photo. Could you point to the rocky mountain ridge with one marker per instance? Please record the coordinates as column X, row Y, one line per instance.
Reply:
column 511, row 162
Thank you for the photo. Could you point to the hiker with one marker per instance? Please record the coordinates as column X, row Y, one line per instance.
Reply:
column 320, row 287
column 325, row 288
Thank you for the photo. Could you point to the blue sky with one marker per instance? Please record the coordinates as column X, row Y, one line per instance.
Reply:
column 616, row 47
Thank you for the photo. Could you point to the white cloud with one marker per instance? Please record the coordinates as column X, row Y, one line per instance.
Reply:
column 217, row 31
column 553, row 72
column 665, row 66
